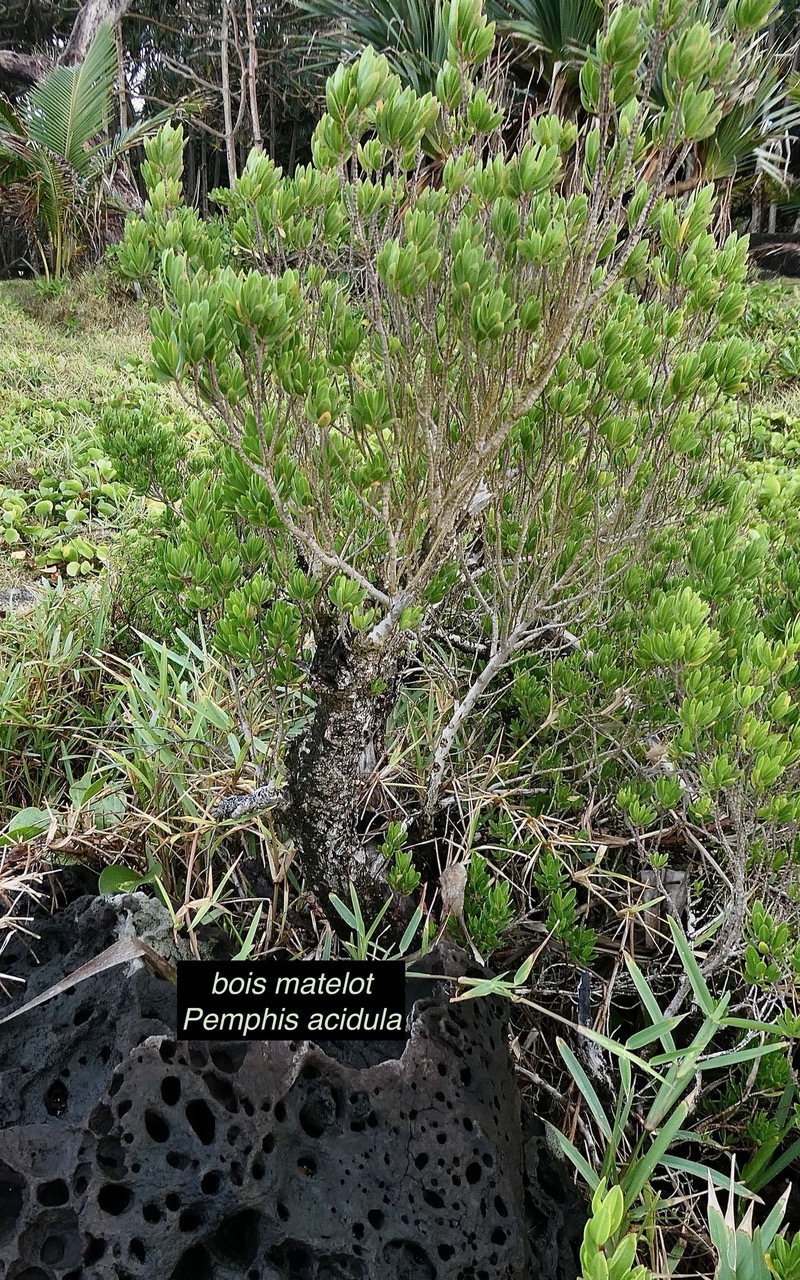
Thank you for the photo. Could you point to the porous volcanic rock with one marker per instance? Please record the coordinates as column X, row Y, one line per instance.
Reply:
column 127, row 1156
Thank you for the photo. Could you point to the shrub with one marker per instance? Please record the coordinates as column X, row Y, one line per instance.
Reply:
column 462, row 404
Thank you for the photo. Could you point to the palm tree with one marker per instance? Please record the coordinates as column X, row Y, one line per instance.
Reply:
column 411, row 33
column 56, row 163
column 551, row 37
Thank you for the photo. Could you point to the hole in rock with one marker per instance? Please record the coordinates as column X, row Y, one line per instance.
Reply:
column 52, row 1250
column 82, row 1015
column 156, row 1125
column 194, row 1265
column 500, row 1206
column 151, row 1213
column 201, row 1118
column 307, row 1166
column 282, row 1212
column 190, row 1220
column 177, row 1160
column 375, row 1219
column 445, row 1252
column 221, row 1091
column 408, row 1261
column 228, row 1057
column 12, row 1196
column 237, row 1240
column 210, row 1183
column 94, row 1251
column 318, row 1112
column 268, row 1144
column 293, row 1260
column 432, row 1198
column 473, row 1173
column 166, row 1051
column 137, row 1250
column 50, row 1194
column 421, row 1160
column 172, row 1201
column 170, row 1090
column 110, row 1158
column 31, row 1273
column 56, row 1100
column 114, row 1199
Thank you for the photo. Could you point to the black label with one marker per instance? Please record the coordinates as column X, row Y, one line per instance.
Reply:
column 295, row 1000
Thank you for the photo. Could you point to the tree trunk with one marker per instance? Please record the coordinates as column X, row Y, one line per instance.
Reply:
column 21, row 71
column 252, row 76
column 227, row 108
column 122, row 87
column 356, row 689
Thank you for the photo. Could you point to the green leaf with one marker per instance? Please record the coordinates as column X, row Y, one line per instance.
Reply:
column 346, row 915
column 649, row 1001
column 658, row 1031
column 244, row 951
column 704, row 1171
column 736, row 1056
column 573, row 1154
column 642, row 1169
column 118, row 879
column 71, row 105
column 586, row 1087
column 411, row 929
column 701, row 992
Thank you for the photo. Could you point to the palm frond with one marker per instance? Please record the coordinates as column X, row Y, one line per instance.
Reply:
column 750, row 131
column 10, row 122
column 559, row 31
column 411, row 33
column 71, row 105
column 106, row 154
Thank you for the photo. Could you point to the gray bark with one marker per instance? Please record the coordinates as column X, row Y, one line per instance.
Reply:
column 355, row 692
column 21, row 71
column 87, row 24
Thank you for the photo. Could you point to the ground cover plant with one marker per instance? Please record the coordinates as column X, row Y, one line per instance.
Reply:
column 298, row 657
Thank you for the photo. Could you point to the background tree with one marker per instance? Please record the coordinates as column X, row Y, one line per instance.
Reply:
column 57, row 167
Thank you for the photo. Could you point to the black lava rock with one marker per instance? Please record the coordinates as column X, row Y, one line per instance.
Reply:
column 127, row 1156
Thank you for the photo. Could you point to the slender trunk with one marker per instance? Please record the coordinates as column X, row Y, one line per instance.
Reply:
column 356, row 690
column 122, row 88
column 204, row 177
column 756, row 206
column 293, row 149
column 252, row 76
column 273, row 140
column 227, row 109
